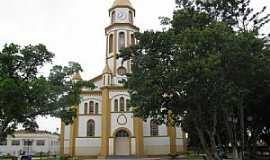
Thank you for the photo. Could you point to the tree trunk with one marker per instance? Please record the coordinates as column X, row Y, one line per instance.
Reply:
column 204, row 144
column 235, row 154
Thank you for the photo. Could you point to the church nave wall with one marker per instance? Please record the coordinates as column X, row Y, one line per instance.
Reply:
column 156, row 145
column 162, row 129
column 88, row 146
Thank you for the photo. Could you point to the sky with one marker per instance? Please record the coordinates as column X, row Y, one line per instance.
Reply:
column 74, row 30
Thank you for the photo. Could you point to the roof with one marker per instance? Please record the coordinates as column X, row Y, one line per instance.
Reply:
column 34, row 132
column 122, row 3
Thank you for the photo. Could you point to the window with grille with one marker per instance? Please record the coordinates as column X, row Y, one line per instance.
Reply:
column 91, row 128
column 85, row 108
column 153, row 128
column 116, row 105
column 121, row 40
column 122, row 104
column 111, row 43
column 15, row 142
column 3, row 143
column 96, row 108
column 40, row 142
column 27, row 142
column 91, row 107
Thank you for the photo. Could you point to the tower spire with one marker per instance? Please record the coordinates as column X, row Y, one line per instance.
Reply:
column 122, row 3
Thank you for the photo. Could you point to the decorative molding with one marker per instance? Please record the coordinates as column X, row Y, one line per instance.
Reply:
column 89, row 115
column 90, row 137
column 155, row 136
column 120, row 118
column 91, row 93
column 122, row 25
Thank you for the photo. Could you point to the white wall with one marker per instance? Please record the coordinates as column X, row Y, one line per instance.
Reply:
column 88, row 146
column 51, row 145
column 82, row 125
column 162, row 129
column 87, row 99
column 115, row 125
column 156, row 145
column 67, row 132
column 179, row 133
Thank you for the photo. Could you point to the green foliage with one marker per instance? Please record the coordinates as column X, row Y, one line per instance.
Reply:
column 208, row 67
column 24, row 94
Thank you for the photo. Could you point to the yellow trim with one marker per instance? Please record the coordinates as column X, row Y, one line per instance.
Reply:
column 88, row 137
column 115, row 88
column 62, row 138
column 91, row 93
column 74, row 133
column 138, row 131
column 105, row 121
column 171, row 133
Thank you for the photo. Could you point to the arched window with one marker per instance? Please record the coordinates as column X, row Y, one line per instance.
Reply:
column 121, row 40
column 91, row 107
column 91, row 128
column 130, row 17
column 116, row 105
column 132, row 39
column 111, row 43
column 96, row 108
column 122, row 104
column 128, row 105
column 85, row 108
column 113, row 16
column 153, row 128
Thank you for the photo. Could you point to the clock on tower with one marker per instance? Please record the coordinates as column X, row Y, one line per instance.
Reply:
column 121, row 15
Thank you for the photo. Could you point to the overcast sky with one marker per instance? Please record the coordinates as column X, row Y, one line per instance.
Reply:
column 74, row 29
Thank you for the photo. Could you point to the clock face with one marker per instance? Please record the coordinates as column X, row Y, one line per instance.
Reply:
column 121, row 15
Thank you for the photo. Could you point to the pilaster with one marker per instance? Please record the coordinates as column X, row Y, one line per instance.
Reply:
column 73, row 135
column 138, row 130
column 172, row 135
column 104, row 152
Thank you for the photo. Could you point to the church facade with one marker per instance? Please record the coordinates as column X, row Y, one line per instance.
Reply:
column 105, row 125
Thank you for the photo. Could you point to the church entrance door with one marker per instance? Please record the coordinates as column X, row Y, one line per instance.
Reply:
column 122, row 143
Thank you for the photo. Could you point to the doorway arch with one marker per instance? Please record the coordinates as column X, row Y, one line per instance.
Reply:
column 122, row 142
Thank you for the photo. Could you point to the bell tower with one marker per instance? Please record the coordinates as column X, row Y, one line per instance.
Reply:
column 120, row 34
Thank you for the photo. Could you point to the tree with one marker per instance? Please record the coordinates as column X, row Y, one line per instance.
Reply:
column 25, row 94
column 209, row 68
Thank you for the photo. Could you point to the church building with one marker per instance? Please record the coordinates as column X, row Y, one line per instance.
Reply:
column 105, row 125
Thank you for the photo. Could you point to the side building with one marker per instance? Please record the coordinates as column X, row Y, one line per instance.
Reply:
column 30, row 143
column 105, row 124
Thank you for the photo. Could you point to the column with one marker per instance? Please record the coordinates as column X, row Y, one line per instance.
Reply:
column 138, row 130
column 105, row 123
